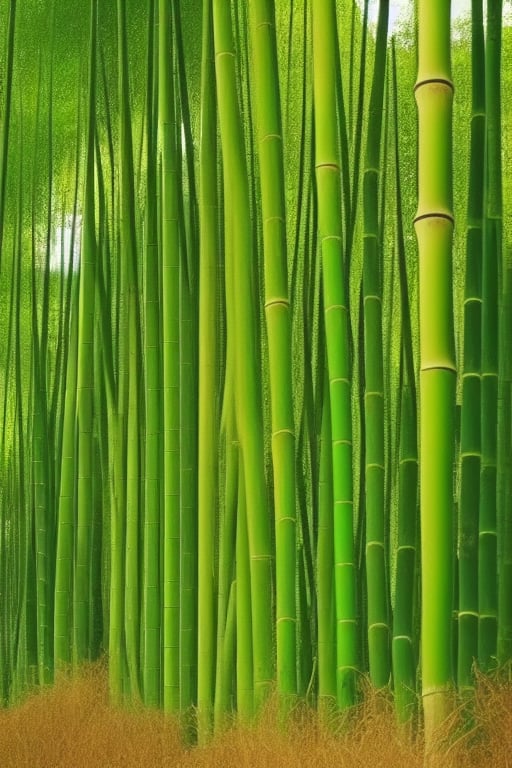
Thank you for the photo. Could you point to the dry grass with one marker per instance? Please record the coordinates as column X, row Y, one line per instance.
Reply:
column 71, row 725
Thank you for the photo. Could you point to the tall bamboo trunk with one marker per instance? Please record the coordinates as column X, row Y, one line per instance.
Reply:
column 278, row 321
column 434, row 228
column 337, row 322
column 470, row 445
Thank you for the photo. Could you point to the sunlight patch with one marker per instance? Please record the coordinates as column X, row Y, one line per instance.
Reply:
column 64, row 251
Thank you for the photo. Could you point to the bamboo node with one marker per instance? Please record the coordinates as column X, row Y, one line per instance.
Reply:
column 271, row 136
column 373, row 297
column 374, row 465
column 378, row 625
column 273, row 218
column 434, row 81
column 373, row 393
column 219, row 54
column 264, row 24
column 435, row 215
column 328, row 166
column 273, row 302
column 285, row 431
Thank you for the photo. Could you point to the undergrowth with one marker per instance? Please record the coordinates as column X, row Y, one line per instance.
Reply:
column 72, row 725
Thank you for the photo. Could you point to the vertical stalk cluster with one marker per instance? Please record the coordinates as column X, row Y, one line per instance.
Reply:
column 212, row 375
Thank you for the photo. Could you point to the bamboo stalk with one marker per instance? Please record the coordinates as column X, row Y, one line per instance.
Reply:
column 434, row 227
column 491, row 287
column 375, row 550
column 337, row 323
column 151, row 666
column 208, row 361
column 278, row 322
column 170, row 362
column 470, row 446
column 403, row 650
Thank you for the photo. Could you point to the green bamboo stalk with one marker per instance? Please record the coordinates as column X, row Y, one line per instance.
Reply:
column 375, row 552
column 491, row 282
column 229, row 650
column 100, row 576
column 228, row 536
column 504, row 476
column 470, row 445
column 246, row 382
column 63, row 621
column 5, row 564
column 403, row 647
column 170, row 347
column 228, row 541
column 245, row 676
column 23, row 517
column 208, row 417
column 337, row 342
column 358, row 130
column 85, row 383
column 65, row 480
column 152, row 378
column 188, row 400
column 278, row 322
column 108, row 284
column 188, row 502
column 42, row 531
column 434, row 227
column 131, row 354
column 6, row 117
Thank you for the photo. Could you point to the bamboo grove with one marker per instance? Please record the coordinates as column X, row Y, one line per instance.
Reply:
column 256, row 433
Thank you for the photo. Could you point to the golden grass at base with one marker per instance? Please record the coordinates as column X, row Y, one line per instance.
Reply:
column 71, row 725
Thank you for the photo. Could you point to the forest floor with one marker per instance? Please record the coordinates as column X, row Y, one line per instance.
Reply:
column 72, row 725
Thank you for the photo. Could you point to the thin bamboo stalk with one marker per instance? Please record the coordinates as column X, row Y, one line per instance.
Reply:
column 403, row 646
column 491, row 286
column 151, row 666
column 375, row 550
column 470, row 445
column 337, row 324
column 278, row 322
column 85, row 383
column 170, row 361
column 208, row 360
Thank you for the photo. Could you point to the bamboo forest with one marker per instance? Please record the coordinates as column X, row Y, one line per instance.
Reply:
column 255, row 352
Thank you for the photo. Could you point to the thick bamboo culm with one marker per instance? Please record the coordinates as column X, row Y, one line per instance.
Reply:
column 434, row 229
